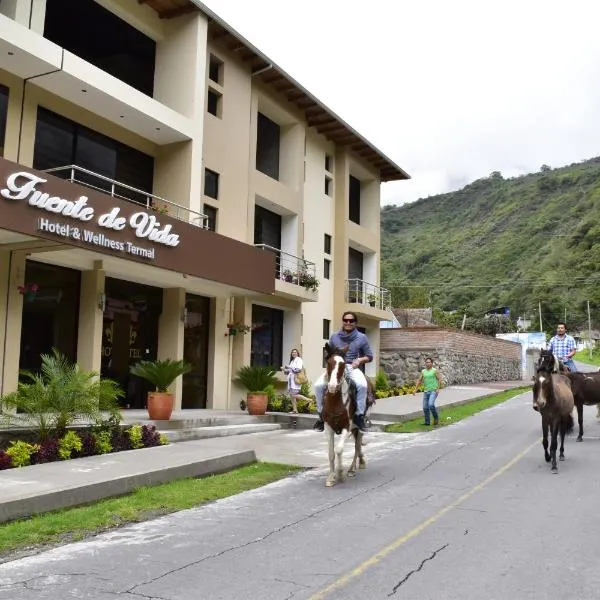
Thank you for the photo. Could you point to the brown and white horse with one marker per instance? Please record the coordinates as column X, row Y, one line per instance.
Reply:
column 339, row 406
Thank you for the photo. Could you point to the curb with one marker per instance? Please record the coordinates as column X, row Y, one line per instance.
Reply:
column 41, row 502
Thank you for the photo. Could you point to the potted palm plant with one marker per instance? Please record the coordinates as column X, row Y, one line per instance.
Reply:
column 161, row 374
column 256, row 379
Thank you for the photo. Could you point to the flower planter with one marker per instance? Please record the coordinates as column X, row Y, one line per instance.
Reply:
column 257, row 403
column 160, row 406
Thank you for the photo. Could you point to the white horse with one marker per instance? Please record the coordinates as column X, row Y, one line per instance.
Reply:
column 339, row 406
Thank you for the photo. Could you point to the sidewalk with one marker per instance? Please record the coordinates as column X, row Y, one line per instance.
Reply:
column 41, row 488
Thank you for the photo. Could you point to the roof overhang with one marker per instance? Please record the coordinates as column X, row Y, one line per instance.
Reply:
column 317, row 115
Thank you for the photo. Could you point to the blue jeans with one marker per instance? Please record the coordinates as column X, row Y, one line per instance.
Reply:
column 570, row 365
column 429, row 405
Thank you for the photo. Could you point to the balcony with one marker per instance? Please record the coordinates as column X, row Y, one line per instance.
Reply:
column 294, row 276
column 116, row 189
column 367, row 299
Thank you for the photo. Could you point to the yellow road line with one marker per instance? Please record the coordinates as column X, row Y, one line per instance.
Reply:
column 384, row 552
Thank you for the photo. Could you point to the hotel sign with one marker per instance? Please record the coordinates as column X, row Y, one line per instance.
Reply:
column 23, row 186
column 41, row 206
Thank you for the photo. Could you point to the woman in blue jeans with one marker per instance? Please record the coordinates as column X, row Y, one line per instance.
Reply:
column 432, row 382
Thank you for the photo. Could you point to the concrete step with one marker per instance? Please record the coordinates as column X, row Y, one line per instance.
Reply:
column 199, row 422
column 199, row 433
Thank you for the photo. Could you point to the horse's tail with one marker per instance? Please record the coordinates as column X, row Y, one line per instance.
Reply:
column 569, row 423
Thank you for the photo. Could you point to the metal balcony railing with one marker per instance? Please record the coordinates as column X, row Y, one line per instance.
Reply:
column 369, row 294
column 116, row 189
column 293, row 269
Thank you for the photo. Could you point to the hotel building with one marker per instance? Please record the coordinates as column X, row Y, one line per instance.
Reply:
column 160, row 178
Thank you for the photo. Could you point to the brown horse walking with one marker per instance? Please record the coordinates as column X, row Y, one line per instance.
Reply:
column 553, row 398
column 339, row 406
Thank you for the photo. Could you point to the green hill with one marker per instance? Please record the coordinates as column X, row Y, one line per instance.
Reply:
column 501, row 242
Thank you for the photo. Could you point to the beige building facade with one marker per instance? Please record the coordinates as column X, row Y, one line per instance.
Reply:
column 164, row 181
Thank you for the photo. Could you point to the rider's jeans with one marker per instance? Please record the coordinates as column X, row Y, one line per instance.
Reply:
column 570, row 365
column 429, row 405
column 360, row 382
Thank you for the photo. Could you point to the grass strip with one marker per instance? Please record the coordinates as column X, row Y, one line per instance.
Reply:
column 145, row 503
column 584, row 357
column 453, row 414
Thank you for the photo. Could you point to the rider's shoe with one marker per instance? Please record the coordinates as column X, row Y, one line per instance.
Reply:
column 359, row 421
column 319, row 424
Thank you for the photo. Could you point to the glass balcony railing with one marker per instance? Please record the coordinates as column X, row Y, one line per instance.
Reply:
column 116, row 189
column 293, row 269
column 368, row 294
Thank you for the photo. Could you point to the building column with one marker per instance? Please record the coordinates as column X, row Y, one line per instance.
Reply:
column 91, row 318
column 12, row 275
column 171, row 329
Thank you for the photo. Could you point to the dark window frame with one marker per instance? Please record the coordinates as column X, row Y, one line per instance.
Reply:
column 267, row 323
column 354, row 190
column 4, row 98
column 268, row 146
column 211, row 183
column 326, row 268
column 327, row 240
column 212, row 212
column 215, row 69
column 326, row 329
column 214, row 103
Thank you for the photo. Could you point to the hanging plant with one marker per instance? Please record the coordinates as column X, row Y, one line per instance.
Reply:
column 29, row 291
column 237, row 327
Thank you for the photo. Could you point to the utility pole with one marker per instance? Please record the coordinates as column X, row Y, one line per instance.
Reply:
column 540, row 311
column 589, row 328
column 464, row 321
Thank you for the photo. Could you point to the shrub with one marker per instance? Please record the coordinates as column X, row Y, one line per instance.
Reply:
column 150, row 436
column 5, row 460
column 305, row 390
column 103, row 442
column 120, row 440
column 135, row 436
column 48, row 452
column 164, row 440
column 57, row 396
column 306, row 407
column 381, row 382
column 88, row 445
column 21, row 452
column 256, row 378
column 281, row 403
column 69, row 443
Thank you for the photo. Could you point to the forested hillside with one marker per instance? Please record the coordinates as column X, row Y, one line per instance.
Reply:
column 500, row 242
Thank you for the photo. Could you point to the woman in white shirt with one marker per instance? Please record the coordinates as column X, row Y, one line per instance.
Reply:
column 296, row 366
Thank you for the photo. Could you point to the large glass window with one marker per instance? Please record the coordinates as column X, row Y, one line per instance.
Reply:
column 268, row 139
column 50, row 314
column 100, row 37
column 60, row 142
column 3, row 113
column 354, row 200
column 267, row 337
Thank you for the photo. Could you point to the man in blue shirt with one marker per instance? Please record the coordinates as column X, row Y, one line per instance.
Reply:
column 359, row 353
column 563, row 347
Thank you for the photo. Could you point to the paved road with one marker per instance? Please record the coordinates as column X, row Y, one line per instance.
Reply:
column 466, row 512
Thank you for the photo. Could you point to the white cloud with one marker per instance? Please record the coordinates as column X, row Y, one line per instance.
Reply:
column 451, row 91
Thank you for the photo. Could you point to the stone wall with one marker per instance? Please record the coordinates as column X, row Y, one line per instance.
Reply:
column 462, row 357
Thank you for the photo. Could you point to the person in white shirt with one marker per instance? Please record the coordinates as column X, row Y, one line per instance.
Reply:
column 296, row 366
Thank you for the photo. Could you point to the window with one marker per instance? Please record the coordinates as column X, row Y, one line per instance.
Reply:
column 60, row 142
column 266, row 345
column 354, row 198
column 211, row 184
column 103, row 39
column 268, row 137
column 215, row 70
column 355, row 275
column 328, row 186
column 211, row 214
column 329, row 163
column 3, row 113
column 214, row 103
column 326, row 328
column 327, row 244
column 327, row 269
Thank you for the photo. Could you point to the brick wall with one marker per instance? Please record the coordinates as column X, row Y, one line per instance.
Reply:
column 462, row 357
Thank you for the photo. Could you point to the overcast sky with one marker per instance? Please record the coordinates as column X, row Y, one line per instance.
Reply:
column 451, row 90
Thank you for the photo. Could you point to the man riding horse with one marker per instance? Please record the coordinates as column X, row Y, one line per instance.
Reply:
column 358, row 353
column 563, row 347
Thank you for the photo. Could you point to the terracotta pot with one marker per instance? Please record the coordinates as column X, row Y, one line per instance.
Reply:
column 160, row 406
column 257, row 403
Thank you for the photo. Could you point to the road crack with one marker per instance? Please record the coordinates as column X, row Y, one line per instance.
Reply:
column 405, row 578
column 259, row 539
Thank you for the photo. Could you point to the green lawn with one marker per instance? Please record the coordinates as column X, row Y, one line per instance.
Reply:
column 144, row 503
column 453, row 414
column 584, row 357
